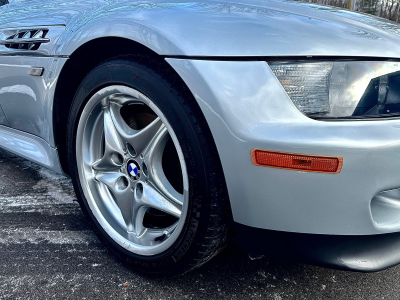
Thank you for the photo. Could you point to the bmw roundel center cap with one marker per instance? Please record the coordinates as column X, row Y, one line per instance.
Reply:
column 133, row 169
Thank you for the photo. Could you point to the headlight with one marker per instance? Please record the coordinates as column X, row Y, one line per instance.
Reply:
column 342, row 89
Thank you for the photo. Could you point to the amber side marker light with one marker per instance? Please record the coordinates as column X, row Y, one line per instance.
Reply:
column 299, row 162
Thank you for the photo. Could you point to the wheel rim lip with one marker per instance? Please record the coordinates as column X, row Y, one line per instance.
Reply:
column 92, row 103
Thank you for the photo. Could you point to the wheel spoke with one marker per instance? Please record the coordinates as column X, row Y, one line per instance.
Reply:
column 121, row 99
column 138, row 216
column 155, row 173
column 158, row 179
column 120, row 188
column 138, row 139
column 156, row 145
column 113, row 148
column 153, row 236
column 150, row 197
column 142, row 139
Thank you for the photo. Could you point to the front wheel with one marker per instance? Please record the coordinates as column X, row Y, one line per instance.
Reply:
column 145, row 168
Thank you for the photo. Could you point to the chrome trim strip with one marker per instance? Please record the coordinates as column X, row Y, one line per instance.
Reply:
column 25, row 41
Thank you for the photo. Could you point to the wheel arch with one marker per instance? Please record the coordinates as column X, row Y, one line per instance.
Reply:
column 80, row 63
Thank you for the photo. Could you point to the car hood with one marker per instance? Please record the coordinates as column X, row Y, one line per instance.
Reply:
column 217, row 28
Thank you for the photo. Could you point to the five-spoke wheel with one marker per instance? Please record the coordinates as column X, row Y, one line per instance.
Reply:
column 122, row 141
column 145, row 167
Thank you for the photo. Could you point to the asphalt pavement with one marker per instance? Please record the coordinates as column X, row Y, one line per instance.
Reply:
column 47, row 251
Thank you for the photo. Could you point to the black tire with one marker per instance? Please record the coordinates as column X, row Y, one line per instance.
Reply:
column 208, row 223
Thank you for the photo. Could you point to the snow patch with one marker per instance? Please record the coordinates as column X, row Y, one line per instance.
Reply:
column 35, row 236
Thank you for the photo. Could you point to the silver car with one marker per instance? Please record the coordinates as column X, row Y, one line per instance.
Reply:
column 186, row 125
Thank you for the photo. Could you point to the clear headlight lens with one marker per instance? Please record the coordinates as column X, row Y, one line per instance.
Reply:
column 340, row 89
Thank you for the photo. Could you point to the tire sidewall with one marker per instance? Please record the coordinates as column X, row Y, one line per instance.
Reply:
column 157, row 90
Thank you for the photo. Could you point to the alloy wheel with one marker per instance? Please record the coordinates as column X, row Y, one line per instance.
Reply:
column 132, row 170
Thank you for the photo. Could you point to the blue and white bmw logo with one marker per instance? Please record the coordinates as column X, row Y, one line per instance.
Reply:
column 133, row 169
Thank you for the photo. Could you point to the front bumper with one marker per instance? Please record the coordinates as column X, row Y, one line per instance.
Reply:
column 246, row 108
column 364, row 253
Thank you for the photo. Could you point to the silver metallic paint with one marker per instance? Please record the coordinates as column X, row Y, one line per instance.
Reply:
column 213, row 28
column 45, row 48
column 3, row 119
column 3, row 9
column 246, row 107
column 30, row 147
column 26, row 100
column 243, row 102
column 385, row 208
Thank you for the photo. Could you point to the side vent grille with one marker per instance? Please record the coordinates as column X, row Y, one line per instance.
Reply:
column 27, row 39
